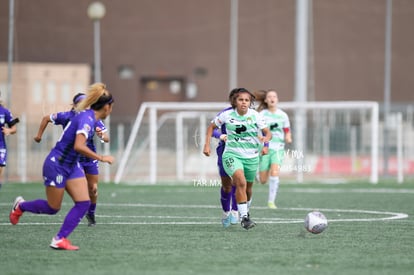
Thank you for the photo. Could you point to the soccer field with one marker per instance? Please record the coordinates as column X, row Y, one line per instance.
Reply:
column 166, row 229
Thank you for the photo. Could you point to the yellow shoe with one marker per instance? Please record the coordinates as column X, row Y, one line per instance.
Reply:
column 271, row 205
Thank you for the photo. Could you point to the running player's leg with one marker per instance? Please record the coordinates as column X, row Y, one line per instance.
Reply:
column 234, row 211
column 225, row 190
column 264, row 166
column 276, row 161
column 225, row 199
column 55, row 182
column 77, row 188
column 91, row 169
column 234, row 168
column 250, row 169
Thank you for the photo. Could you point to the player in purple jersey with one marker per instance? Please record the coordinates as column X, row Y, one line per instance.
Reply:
column 62, row 171
column 90, row 166
column 227, row 190
column 8, row 127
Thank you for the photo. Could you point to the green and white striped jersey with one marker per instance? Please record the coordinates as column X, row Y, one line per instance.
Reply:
column 242, row 132
column 276, row 122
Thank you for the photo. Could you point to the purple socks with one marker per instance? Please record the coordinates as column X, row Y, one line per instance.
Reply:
column 228, row 199
column 38, row 207
column 233, row 198
column 73, row 218
column 225, row 200
column 92, row 208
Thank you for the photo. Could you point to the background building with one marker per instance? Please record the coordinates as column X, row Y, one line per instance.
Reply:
column 44, row 88
column 146, row 45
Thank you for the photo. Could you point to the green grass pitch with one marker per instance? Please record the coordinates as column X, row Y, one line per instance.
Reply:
column 176, row 229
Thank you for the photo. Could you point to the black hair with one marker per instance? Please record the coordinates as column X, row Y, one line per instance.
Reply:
column 102, row 101
column 232, row 93
column 236, row 91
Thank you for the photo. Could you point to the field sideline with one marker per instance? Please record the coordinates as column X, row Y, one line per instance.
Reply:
column 176, row 229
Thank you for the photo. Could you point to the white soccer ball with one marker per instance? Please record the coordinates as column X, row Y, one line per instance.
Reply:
column 316, row 222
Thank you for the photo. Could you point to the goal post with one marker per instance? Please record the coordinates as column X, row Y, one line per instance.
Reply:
column 152, row 108
column 335, row 140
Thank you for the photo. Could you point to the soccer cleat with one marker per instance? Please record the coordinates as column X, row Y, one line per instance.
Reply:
column 247, row 223
column 15, row 212
column 271, row 205
column 62, row 244
column 234, row 217
column 91, row 219
column 226, row 219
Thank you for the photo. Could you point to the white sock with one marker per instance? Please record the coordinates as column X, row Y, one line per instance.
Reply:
column 273, row 187
column 242, row 207
column 249, row 203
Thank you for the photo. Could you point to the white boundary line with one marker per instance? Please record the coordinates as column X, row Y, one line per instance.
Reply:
column 214, row 220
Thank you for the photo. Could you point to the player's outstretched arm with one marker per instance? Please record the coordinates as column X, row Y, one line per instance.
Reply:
column 43, row 124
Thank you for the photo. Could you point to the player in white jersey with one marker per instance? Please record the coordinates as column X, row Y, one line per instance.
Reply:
column 278, row 122
column 241, row 154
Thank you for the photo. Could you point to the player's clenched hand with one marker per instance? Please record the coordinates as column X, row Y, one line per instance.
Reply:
column 108, row 159
column 206, row 150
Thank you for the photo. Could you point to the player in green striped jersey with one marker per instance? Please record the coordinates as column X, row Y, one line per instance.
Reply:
column 241, row 154
column 279, row 125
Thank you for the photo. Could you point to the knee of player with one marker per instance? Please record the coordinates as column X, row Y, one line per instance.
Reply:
column 226, row 189
column 274, row 173
column 226, row 182
column 52, row 211
column 263, row 177
column 239, row 181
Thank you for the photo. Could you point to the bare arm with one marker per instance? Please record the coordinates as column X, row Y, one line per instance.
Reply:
column 43, row 124
column 81, row 147
column 9, row 131
column 210, row 129
column 288, row 137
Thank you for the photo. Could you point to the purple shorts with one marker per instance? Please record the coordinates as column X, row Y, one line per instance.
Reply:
column 219, row 151
column 3, row 157
column 90, row 167
column 55, row 174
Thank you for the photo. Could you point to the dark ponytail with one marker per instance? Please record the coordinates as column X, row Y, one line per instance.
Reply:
column 102, row 101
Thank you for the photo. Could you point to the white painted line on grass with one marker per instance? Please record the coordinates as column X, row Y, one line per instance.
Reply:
column 193, row 220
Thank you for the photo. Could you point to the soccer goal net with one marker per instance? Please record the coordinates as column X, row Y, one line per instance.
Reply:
column 331, row 141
